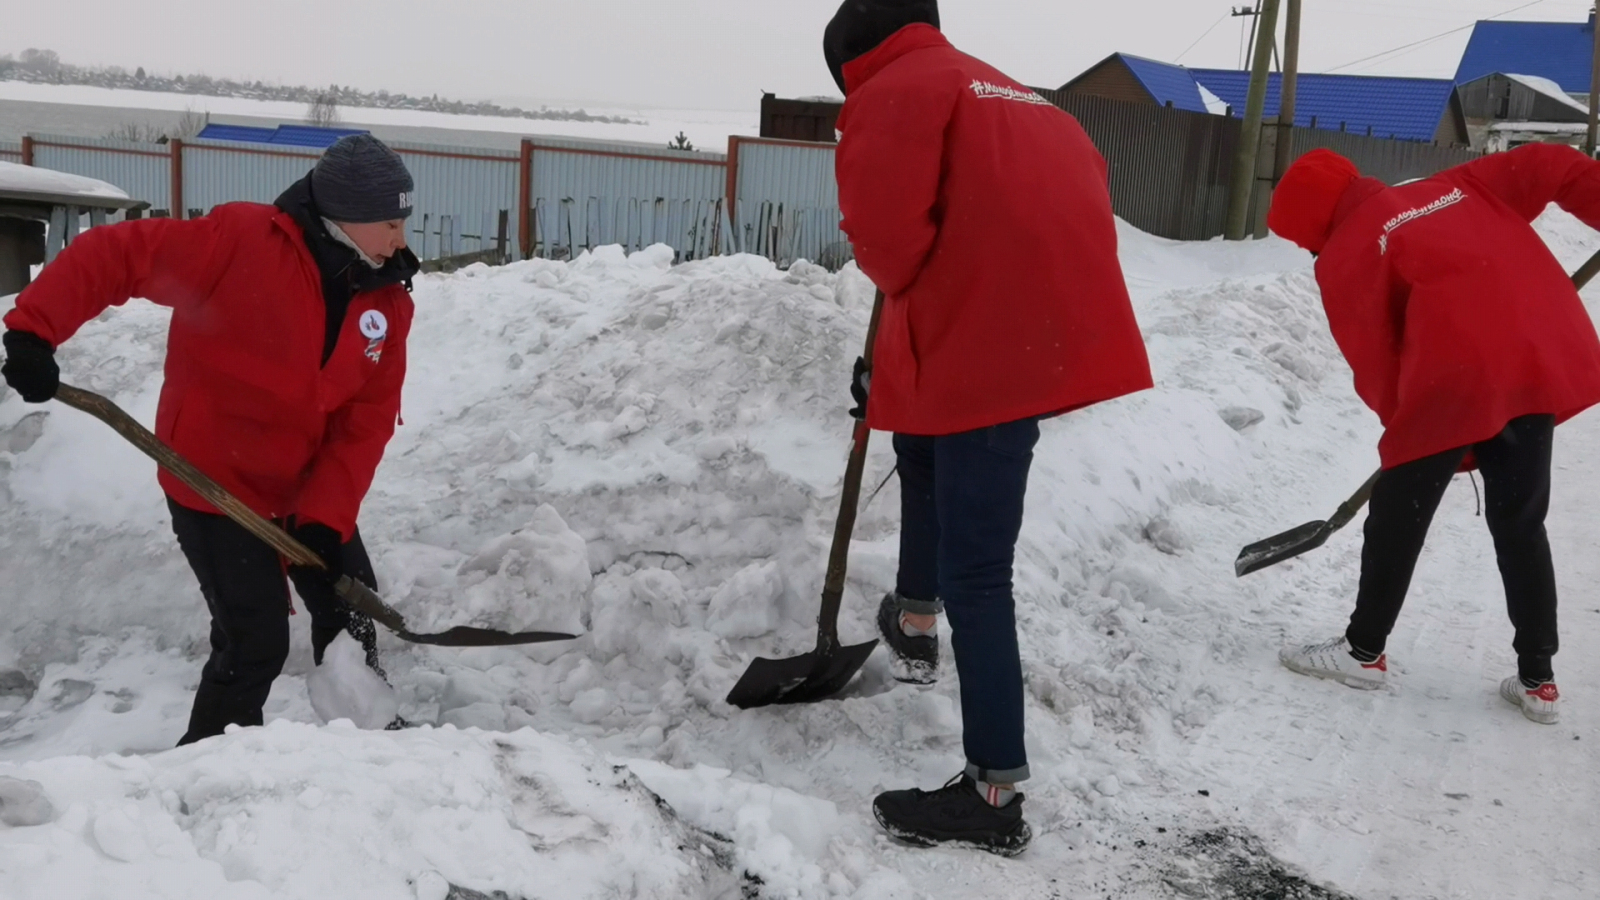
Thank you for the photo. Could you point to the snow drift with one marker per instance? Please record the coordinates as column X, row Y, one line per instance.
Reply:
column 651, row 455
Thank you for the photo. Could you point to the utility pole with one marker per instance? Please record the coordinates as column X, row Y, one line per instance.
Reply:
column 1291, row 78
column 1239, row 12
column 1244, row 163
column 1255, row 23
column 1594, row 85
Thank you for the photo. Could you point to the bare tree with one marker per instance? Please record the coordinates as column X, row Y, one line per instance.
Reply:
column 324, row 111
column 190, row 124
column 139, row 132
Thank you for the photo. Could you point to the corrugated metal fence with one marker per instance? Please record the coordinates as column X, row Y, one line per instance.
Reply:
column 582, row 194
column 1170, row 169
column 11, row 151
column 1169, row 174
column 786, row 201
column 143, row 171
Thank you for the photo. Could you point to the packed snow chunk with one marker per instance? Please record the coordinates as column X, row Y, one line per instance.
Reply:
column 593, row 705
column 344, row 687
column 430, row 885
column 662, row 593
column 655, row 256
column 778, row 833
column 748, row 605
column 23, row 803
column 120, row 836
column 534, row 579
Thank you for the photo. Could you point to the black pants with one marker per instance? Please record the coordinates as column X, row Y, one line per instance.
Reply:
column 961, row 498
column 243, row 581
column 1516, row 481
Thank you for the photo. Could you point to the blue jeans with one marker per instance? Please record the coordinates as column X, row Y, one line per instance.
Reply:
column 961, row 510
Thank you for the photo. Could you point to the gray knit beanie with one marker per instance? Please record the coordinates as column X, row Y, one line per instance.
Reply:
column 359, row 179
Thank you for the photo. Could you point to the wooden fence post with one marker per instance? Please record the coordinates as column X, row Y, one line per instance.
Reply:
column 524, row 201
column 175, row 147
column 732, row 194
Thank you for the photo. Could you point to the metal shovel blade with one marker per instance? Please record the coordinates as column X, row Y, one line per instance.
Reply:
column 799, row 679
column 1280, row 547
column 467, row 636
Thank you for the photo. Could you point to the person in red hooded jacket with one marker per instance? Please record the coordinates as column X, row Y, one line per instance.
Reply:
column 1469, row 341
column 983, row 213
column 284, row 363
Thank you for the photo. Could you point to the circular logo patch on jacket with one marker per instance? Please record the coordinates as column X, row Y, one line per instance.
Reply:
column 374, row 325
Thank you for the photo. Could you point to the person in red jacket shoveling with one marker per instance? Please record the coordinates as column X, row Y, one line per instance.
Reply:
column 983, row 214
column 1470, row 343
column 284, row 362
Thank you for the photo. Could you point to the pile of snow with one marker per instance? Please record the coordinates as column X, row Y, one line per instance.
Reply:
column 651, row 456
column 20, row 179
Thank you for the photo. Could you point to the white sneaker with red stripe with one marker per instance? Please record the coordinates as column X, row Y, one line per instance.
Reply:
column 1332, row 660
column 1541, row 704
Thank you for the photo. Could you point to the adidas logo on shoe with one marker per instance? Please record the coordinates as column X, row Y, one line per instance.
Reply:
column 1335, row 660
column 1541, row 704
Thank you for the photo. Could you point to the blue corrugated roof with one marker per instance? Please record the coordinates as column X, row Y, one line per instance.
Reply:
column 1559, row 51
column 283, row 135
column 1404, row 108
column 237, row 133
column 310, row 136
column 1166, row 82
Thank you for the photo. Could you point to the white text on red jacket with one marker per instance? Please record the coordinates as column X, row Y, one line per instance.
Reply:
column 1448, row 200
column 989, row 91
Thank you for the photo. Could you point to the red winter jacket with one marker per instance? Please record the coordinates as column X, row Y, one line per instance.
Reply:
column 983, row 213
column 247, row 398
column 1451, row 310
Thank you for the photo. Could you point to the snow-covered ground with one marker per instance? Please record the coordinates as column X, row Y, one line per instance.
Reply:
column 707, row 128
column 652, row 456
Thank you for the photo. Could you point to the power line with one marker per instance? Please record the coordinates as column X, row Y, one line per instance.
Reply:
column 1428, row 40
column 1202, row 37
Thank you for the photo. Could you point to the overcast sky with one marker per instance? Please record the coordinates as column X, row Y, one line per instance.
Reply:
column 694, row 54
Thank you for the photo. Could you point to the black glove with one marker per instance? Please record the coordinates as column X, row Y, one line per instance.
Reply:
column 324, row 542
column 860, row 382
column 30, row 366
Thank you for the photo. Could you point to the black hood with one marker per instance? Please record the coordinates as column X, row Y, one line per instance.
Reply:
column 861, row 25
column 344, row 273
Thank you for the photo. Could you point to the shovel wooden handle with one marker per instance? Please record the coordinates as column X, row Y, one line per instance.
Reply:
column 185, row 471
column 849, row 497
column 358, row 595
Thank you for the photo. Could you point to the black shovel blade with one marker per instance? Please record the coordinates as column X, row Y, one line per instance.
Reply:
column 467, row 636
column 799, row 679
column 1280, row 547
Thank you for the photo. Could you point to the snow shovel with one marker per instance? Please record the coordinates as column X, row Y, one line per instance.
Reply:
column 357, row 595
column 1312, row 535
column 1307, row 537
column 826, row 670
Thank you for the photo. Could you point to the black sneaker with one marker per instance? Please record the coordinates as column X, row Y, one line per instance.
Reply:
column 954, row 814
column 913, row 659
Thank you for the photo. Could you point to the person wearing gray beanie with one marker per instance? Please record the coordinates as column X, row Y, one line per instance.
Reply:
column 286, row 357
column 360, row 180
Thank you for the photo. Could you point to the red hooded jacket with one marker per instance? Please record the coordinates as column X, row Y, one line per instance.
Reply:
column 246, row 399
column 983, row 213
column 1452, row 312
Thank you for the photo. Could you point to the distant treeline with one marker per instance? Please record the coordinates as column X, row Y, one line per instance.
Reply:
column 45, row 67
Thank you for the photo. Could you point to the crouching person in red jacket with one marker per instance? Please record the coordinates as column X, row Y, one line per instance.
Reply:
column 1469, row 341
column 983, row 214
column 284, row 363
